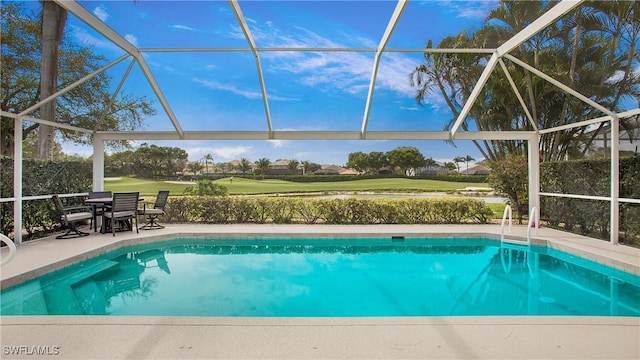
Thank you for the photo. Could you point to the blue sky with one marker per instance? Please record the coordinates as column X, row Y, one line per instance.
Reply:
column 306, row 91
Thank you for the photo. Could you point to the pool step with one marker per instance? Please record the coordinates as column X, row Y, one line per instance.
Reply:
column 28, row 299
column 89, row 271
column 95, row 303
column 60, row 296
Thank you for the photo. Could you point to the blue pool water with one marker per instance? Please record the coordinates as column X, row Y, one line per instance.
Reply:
column 314, row 277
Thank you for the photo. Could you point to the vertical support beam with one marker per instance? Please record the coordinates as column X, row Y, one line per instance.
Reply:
column 98, row 163
column 534, row 175
column 395, row 17
column 615, row 180
column 17, row 180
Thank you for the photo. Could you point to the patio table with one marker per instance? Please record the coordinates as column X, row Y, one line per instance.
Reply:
column 95, row 202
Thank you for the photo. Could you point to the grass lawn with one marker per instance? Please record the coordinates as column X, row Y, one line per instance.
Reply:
column 250, row 186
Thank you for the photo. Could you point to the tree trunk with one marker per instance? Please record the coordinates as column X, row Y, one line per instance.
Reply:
column 53, row 21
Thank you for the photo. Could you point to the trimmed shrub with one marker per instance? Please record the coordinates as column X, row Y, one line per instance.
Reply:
column 286, row 210
column 591, row 217
column 39, row 178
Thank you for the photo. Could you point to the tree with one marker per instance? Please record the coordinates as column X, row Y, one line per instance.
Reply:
column 85, row 106
column 375, row 161
column 457, row 160
column 357, row 161
column 148, row 161
column 592, row 49
column 54, row 18
column 206, row 188
column 223, row 167
column 262, row 165
column 194, row 167
column 450, row 166
column 468, row 158
column 292, row 166
column 405, row 158
column 244, row 166
column 430, row 163
column 310, row 167
column 206, row 159
column 510, row 176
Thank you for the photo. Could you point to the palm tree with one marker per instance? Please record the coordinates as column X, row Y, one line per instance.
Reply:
column 449, row 166
column 206, row 159
column 458, row 160
column 468, row 158
column 244, row 166
column 262, row 165
column 293, row 165
column 430, row 163
column 591, row 49
column 54, row 19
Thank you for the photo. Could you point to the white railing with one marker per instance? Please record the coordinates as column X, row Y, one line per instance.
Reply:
column 12, row 249
column 507, row 210
column 534, row 222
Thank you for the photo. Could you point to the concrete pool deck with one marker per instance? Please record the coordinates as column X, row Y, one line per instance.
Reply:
column 506, row 337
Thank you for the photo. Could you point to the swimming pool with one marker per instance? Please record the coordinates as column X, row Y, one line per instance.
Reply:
column 330, row 277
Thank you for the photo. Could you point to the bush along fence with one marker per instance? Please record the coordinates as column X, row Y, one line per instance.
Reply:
column 591, row 217
column 288, row 210
column 39, row 178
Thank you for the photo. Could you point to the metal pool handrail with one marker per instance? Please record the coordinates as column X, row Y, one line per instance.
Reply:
column 507, row 209
column 12, row 249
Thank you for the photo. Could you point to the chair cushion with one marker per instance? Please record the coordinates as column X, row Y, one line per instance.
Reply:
column 119, row 214
column 79, row 216
column 152, row 212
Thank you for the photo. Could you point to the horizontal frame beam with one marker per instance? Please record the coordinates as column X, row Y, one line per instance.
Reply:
column 46, row 122
column 314, row 135
column 314, row 49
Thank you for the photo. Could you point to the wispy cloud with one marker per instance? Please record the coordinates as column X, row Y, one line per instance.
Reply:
column 478, row 9
column 349, row 72
column 132, row 39
column 101, row 13
column 277, row 143
column 228, row 87
column 183, row 27
column 86, row 38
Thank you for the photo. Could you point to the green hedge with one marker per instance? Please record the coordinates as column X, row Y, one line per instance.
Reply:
column 40, row 178
column 591, row 217
column 287, row 210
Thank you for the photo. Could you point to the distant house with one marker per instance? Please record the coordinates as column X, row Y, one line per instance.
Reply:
column 279, row 167
column 234, row 167
column 475, row 169
column 438, row 168
column 334, row 170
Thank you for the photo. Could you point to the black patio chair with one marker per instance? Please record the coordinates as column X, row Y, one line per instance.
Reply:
column 123, row 211
column 152, row 213
column 98, row 208
column 70, row 216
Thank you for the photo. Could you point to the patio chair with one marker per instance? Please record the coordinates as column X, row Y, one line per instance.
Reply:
column 70, row 216
column 152, row 213
column 98, row 208
column 124, row 208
